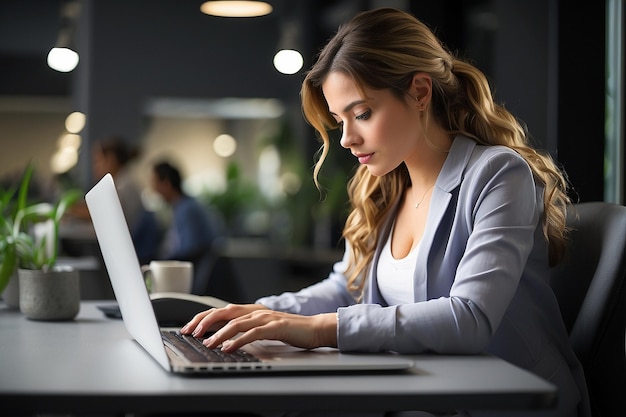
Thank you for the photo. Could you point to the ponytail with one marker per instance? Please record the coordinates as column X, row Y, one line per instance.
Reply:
column 475, row 114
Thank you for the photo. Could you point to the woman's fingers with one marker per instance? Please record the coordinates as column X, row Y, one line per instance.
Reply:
column 249, row 323
column 193, row 323
column 300, row 331
column 239, row 324
column 215, row 318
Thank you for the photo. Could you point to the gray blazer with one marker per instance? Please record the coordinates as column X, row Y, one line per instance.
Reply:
column 480, row 281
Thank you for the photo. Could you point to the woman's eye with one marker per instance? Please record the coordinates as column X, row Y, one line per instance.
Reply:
column 364, row 116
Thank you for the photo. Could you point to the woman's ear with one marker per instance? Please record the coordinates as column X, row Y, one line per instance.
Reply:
column 421, row 89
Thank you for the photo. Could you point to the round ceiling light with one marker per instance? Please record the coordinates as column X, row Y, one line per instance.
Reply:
column 62, row 59
column 288, row 61
column 227, row 8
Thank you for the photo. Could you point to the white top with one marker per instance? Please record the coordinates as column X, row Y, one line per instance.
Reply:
column 395, row 276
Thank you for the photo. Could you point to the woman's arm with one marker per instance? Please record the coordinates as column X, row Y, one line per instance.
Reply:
column 306, row 318
column 323, row 297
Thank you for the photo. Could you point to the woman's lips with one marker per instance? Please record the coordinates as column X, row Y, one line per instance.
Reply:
column 364, row 158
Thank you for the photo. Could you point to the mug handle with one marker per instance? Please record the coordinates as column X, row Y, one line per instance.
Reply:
column 147, row 278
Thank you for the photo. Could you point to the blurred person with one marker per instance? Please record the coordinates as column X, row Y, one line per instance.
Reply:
column 192, row 230
column 114, row 155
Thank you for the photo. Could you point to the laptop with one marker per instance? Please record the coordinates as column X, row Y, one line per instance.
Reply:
column 184, row 354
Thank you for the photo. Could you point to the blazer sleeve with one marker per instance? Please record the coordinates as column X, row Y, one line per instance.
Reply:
column 323, row 297
column 479, row 259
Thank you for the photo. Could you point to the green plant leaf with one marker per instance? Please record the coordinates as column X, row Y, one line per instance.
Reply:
column 24, row 186
column 67, row 200
column 9, row 257
column 36, row 212
column 8, row 266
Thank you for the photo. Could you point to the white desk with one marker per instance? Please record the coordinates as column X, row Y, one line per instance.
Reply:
column 91, row 365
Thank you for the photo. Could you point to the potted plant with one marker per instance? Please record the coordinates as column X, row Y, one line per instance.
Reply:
column 47, row 292
column 29, row 243
column 12, row 200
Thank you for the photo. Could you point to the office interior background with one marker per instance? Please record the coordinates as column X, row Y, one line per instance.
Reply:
column 203, row 92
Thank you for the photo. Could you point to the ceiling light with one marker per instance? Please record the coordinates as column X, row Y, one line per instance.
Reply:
column 63, row 56
column 288, row 61
column 227, row 8
column 70, row 140
column 63, row 160
column 62, row 59
column 224, row 145
column 75, row 122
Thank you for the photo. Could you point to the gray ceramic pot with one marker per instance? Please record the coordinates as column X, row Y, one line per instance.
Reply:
column 51, row 295
column 11, row 294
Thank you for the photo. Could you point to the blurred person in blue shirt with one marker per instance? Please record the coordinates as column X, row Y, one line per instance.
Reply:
column 192, row 229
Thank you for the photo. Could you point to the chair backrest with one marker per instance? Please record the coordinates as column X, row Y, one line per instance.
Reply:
column 590, row 287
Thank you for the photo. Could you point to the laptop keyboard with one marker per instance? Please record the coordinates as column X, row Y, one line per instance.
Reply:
column 195, row 351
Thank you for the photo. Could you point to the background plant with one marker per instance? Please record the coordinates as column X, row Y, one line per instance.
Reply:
column 18, row 246
column 10, row 204
column 34, row 253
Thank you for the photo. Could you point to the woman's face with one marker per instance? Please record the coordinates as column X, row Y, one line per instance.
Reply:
column 380, row 130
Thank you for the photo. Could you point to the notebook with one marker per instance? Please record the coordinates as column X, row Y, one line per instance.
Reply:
column 139, row 318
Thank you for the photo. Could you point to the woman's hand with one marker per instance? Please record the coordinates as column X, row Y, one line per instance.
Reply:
column 215, row 318
column 256, row 322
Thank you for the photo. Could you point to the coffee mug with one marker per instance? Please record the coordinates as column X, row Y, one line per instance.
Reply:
column 168, row 276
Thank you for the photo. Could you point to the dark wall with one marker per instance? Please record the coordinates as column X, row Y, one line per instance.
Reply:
column 28, row 29
column 581, row 96
column 131, row 53
column 545, row 59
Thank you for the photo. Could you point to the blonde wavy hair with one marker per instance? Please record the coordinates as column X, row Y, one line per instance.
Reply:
column 383, row 49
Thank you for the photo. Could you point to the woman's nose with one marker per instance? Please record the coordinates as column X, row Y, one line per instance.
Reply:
column 348, row 138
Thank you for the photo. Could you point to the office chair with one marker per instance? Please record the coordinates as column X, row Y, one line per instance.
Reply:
column 589, row 285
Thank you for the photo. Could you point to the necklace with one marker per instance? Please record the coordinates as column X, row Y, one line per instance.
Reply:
column 417, row 205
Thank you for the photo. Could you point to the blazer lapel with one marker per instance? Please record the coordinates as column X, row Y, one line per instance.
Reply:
column 448, row 180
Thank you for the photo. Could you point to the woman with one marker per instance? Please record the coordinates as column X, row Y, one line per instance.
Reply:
column 114, row 155
column 455, row 218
